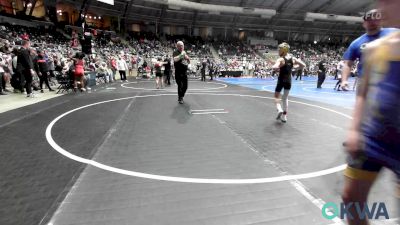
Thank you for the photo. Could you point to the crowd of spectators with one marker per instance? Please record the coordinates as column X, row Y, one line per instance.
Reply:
column 55, row 53
column 312, row 54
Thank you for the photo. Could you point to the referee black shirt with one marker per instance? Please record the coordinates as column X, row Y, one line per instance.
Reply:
column 180, row 67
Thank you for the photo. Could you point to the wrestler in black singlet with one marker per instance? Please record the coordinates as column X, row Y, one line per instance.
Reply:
column 285, row 76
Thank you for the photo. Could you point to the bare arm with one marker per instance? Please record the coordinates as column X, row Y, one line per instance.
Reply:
column 180, row 56
column 177, row 58
column 348, row 64
column 187, row 58
column 360, row 102
column 353, row 142
column 299, row 62
column 278, row 64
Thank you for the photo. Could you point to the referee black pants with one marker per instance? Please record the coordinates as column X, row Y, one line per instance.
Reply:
column 167, row 74
column 182, row 82
column 321, row 79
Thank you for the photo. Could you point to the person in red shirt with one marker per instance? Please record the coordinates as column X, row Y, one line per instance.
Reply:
column 25, row 36
column 113, row 63
column 132, row 64
column 79, row 74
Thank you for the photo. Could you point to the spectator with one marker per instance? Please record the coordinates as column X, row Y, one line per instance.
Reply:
column 42, row 69
column 25, row 66
column 122, row 68
column 2, row 80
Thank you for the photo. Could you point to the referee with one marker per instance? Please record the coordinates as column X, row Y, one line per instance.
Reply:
column 181, row 61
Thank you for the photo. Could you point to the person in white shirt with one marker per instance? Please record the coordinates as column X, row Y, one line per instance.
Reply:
column 339, row 75
column 14, row 62
column 122, row 67
column 251, row 69
column 2, row 80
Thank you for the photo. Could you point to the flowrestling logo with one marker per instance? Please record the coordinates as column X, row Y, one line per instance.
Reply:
column 355, row 210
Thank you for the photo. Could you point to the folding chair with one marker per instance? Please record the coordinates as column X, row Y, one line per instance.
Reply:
column 100, row 78
column 142, row 72
column 65, row 83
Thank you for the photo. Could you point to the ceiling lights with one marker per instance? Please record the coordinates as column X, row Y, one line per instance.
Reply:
column 212, row 8
column 91, row 17
column 332, row 17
